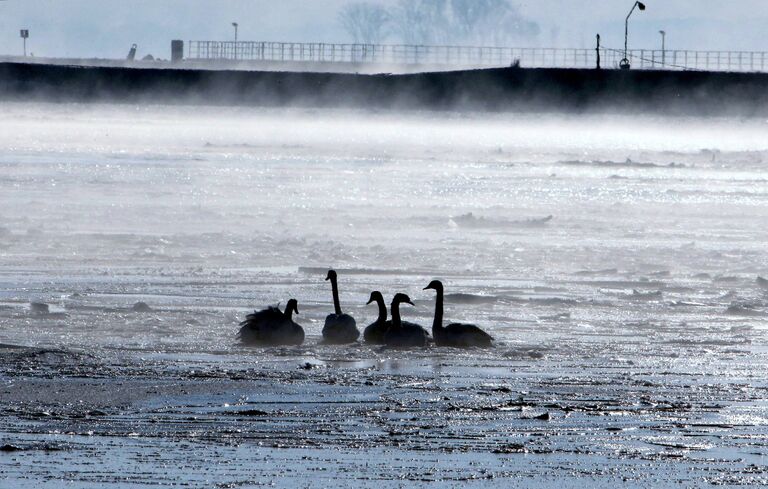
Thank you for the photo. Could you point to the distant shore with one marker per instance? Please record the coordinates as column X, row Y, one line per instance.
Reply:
column 501, row 89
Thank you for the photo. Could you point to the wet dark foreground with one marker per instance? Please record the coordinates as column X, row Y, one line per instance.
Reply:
column 305, row 418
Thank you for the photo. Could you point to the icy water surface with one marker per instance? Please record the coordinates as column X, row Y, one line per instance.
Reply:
column 616, row 260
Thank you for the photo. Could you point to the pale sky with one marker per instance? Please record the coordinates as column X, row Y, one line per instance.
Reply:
column 107, row 28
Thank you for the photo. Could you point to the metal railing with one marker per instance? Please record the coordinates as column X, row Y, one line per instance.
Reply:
column 470, row 56
column 735, row 61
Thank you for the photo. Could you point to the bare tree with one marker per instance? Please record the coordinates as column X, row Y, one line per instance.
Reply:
column 481, row 22
column 490, row 21
column 470, row 16
column 513, row 26
column 421, row 21
column 493, row 22
column 365, row 22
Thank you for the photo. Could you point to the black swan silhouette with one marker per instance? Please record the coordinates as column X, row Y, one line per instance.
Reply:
column 374, row 333
column 271, row 327
column 339, row 328
column 402, row 335
column 456, row 334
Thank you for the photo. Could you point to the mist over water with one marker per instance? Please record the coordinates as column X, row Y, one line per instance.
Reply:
column 602, row 252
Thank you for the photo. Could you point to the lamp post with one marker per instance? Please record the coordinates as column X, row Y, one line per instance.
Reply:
column 624, row 64
column 234, row 47
column 663, row 47
column 24, row 36
column 597, row 51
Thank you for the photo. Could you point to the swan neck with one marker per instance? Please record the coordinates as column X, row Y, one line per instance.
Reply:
column 288, row 314
column 336, row 303
column 396, row 321
column 382, row 310
column 438, row 323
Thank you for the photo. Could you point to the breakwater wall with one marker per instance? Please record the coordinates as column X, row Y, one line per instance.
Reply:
column 503, row 89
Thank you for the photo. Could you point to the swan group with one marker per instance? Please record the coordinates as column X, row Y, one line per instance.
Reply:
column 272, row 327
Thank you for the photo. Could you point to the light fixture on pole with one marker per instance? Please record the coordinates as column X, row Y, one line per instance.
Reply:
column 234, row 47
column 25, row 35
column 624, row 63
column 663, row 47
column 597, row 51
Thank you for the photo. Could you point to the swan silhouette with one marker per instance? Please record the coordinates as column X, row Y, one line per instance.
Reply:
column 456, row 334
column 404, row 335
column 374, row 332
column 271, row 327
column 339, row 328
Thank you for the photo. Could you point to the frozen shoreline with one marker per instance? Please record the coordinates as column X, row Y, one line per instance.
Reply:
column 144, row 418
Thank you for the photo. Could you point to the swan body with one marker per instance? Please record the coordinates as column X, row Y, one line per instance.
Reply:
column 460, row 335
column 271, row 327
column 456, row 335
column 339, row 328
column 402, row 335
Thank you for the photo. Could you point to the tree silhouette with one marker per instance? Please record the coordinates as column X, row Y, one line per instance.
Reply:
column 365, row 22
column 478, row 22
column 421, row 21
column 489, row 22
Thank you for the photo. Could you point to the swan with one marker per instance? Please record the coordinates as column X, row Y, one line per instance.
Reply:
column 404, row 335
column 271, row 327
column 456, row 335
column 339, row 328
column 375, row 331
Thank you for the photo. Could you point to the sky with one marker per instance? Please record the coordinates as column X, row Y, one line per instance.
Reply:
column 107, row 28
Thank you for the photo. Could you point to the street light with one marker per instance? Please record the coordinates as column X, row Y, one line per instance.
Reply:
column 25, row 35
column 624, row 63
column 234, row 47
column 663, row 47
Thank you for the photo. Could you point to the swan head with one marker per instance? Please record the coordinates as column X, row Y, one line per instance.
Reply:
column 434, row 285
column 331, row 275
column 375, row 297
column 402, row 299
column 292, row 306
